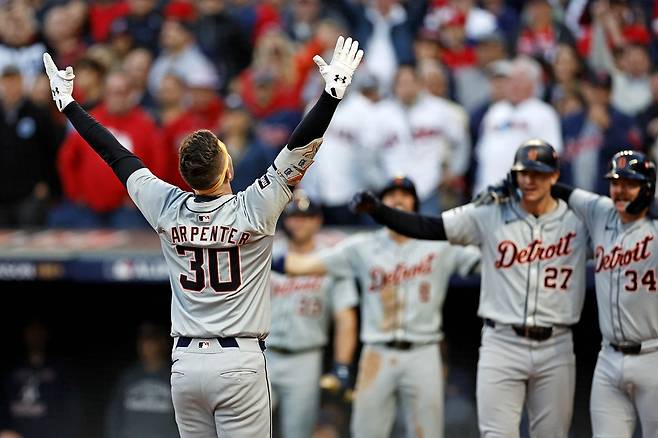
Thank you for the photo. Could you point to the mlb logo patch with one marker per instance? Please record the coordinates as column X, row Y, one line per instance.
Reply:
column 204, row 218
column 204, row 344
column 263, row 181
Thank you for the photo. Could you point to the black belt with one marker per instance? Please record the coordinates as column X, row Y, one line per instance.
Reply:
column 287, row 351
column 536, row 333
column 400, row 345
column 184, row 341
column 628, row 348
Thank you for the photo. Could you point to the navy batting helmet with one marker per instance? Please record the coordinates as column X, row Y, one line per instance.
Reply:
column 536, row 155
column 401, row 183
column 301, row 205
column 636, row 166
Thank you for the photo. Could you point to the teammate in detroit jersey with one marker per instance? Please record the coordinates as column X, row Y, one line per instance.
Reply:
column 403, row 287
column 625, row 246
column 217, row 246
column 533, row 285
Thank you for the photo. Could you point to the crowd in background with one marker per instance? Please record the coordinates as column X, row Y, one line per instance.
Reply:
column 447, row 91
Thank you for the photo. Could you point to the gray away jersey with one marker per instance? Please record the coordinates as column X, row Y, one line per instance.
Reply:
column 403, row 286
column 626, row 259
column 218, row 253
column 303, row 306
column 533, row 269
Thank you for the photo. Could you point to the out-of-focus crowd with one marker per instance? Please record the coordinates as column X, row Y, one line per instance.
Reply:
column 447, row 91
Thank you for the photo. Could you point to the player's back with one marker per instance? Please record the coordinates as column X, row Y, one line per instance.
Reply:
column 218, row 252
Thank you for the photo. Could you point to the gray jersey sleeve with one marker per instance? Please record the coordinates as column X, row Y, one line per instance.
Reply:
column 264, row 200
column 467, row 258
column 343, row 294
column 465, row 225
column 589, row 207
column 151, row 195
column 341, row 260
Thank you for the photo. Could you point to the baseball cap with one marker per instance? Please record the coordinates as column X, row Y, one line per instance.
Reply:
column 500, row 68
column 202, row 78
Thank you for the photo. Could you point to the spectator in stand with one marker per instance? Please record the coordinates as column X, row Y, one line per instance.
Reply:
column 222, row 39
column 143, row 23
column 541, row 34
column 205, row 102
column 9, row 434
column 631, row 91
column 101, row 15
column 120, row 40
column 510, row 122
column 62, row 29
column 94, row 198
column 507, row 20
column 338, row 172
column 89, row 80
column 273, row 82
column 177, row 121
column 180, row 54
column 19, row 43
column 272, row 133
column 593, row 135
column 237, row 129
column 566, row 71
column 137, row 65
column 386, row 29
column 28, row 179
column 456, row 53
column 497, row 75
column 422, row 135
column 42, row 400
column 648, row 119
column 300, row 19
column 140, row 405
column 472, row 83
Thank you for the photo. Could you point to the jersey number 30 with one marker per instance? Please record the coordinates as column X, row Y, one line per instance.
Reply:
column 197, row 282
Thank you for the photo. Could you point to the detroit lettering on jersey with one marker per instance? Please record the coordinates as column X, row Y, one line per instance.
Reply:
column 617, row 257
column 509, row 253
column 208, row 233
column 380, row 277
column 291, row 285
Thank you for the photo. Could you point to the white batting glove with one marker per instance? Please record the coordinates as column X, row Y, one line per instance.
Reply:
column 61, row 82
column 338, row 74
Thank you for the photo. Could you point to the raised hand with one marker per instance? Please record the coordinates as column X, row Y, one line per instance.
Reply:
column 338, row 74
column 61, row 82
column 364, row 202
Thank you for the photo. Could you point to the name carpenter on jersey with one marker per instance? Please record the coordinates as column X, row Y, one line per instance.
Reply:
column 211, row 233
column 509, row 253
column 617, row 257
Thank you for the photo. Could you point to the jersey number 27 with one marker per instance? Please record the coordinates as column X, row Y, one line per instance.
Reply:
column 196, row 279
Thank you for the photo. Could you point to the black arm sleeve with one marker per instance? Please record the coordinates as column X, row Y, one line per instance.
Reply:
column 562, row 191
column 410, row 224
column 121, row 160
column 315, row 122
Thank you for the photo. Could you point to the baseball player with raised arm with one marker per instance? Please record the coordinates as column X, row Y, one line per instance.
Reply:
column 403, row 284
column 301, row 310
column 625, row 245
column 217, row 246
column 533, row 288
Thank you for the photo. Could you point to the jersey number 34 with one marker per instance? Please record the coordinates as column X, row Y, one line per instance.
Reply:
column 197, row 280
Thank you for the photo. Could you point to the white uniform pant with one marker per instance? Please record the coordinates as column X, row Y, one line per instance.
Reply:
column 624, row 387
column 413, row 378
column 220, row 392
column 295, row 380
column 513, row 370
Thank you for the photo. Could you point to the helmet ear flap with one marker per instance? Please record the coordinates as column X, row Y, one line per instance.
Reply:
column 643, row 199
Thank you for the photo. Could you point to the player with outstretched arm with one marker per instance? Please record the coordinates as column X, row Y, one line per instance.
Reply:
column 217, row 246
